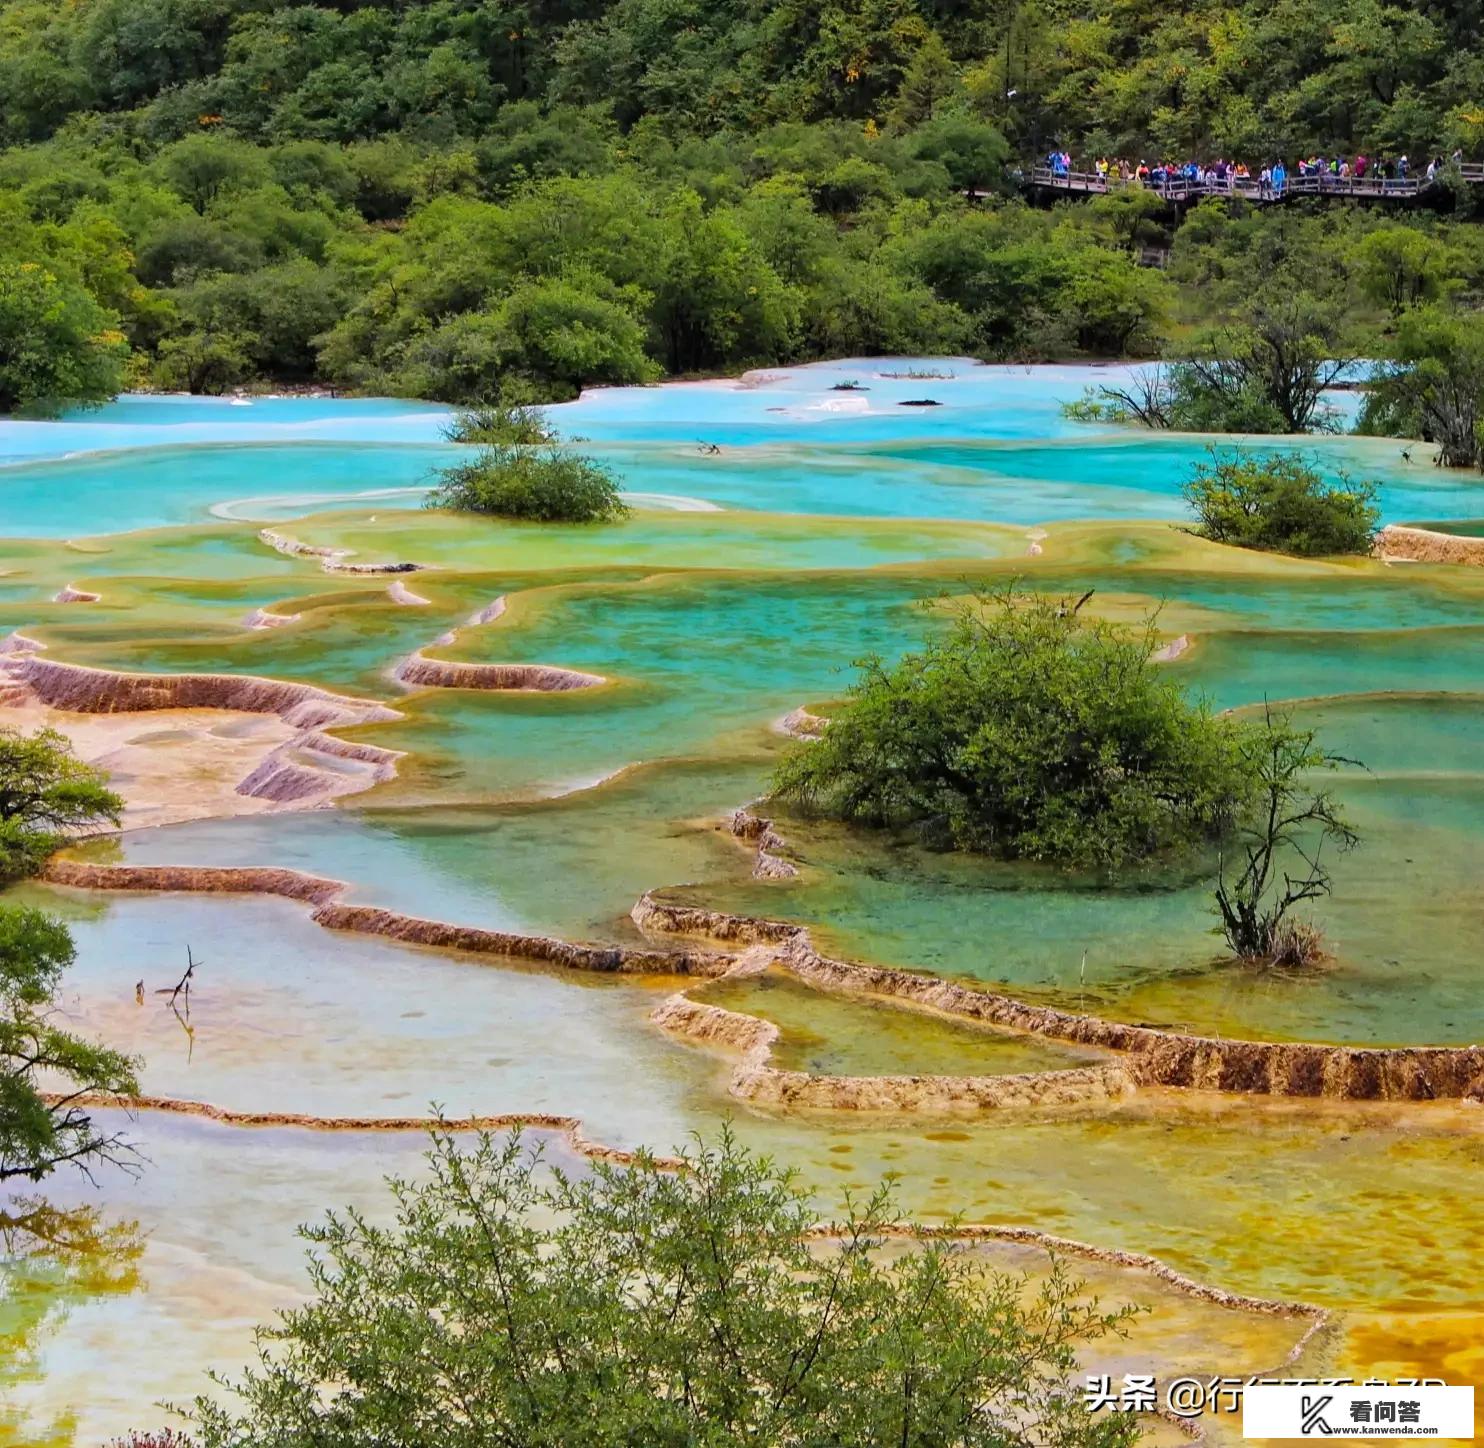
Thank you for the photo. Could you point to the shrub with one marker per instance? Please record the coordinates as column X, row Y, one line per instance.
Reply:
column 635, row 1305
column 1281, row 504
column 545, row 484
column 1031, row 732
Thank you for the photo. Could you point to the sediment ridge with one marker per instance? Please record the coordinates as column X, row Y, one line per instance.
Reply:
column 323, row 895
column 292, row 774
column 399, row 593
column 417, row 671
column 801, row 724
column 84, row 690
column 1423, row 545
column 261, row 618
column 332, row 560
column 570, row 1127
column 1146, row 1055
column 769, row 864
column 756, row 1079
column 1152, row 1056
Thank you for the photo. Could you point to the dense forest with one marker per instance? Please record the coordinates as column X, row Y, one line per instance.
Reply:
column 440, row 198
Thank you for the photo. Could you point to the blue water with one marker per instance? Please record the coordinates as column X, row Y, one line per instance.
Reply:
column 134, row 421
column 997, row 449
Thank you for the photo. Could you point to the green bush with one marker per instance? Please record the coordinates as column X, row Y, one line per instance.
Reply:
column 634, row 1305
column 1030, row 732
column 58, row 347
column 545, row 484
column 1280, row 504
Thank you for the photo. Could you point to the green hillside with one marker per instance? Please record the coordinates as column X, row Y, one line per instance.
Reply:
column 433, row 198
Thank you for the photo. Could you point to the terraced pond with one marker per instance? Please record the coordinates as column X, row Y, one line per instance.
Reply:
column 744, row 585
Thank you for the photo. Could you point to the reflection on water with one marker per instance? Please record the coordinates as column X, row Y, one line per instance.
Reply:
column 55, row 1262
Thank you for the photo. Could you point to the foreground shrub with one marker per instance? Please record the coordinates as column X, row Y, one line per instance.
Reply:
column 642, row 1306
column 545, row 484
column 1280, row 504
column 1029, row 731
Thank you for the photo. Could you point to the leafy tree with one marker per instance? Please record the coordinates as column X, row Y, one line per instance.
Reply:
column 1291, row 825
column 202, row 169
column 563, row 334
column 1028, row 731
column 973, row 153
column 266, row 321
column 530, row 142
column 1131, row 214
column 795, row 240
column 1433, row 387
column 715, row 297
column 867, row 308
column 542, row 484
column 184, row 248
column 929, row 81
column 1267, row 373
column 1280, row 503
column 384, row 172
column 641, row 1305
column 58, row 347
column 1110, row 305
column 204, row 361
column 1147, row 398
column 1400, row 266
column 38, row 1135
column 46, row 794
column 133, row 49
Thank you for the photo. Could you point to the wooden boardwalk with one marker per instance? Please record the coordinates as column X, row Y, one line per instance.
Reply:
column 1179, row 191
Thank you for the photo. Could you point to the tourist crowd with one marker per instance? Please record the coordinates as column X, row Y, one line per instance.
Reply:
column 1272, row 179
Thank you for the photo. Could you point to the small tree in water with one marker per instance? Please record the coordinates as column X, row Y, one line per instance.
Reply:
column 1280, row 504
column 1290, row 821
column 1029, row 731
column 636, row 1305
column 542, row 484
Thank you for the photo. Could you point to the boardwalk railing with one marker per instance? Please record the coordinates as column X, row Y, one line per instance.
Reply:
column 1181, row 188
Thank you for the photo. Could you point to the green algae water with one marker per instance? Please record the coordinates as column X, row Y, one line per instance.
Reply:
column 746, row 584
